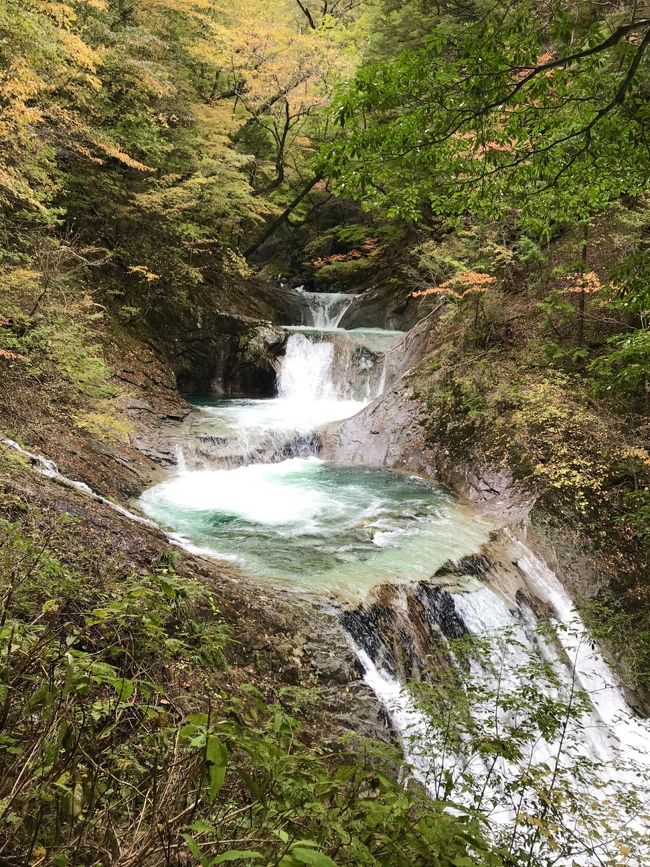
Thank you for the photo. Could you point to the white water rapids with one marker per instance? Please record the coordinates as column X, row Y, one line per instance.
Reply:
column 601, row 753
column 255, row 490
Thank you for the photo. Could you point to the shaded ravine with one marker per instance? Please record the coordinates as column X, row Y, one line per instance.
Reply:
column 422, row 568
column 417, row 568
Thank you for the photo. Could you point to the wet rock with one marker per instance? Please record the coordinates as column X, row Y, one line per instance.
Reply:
column 262, row 344
column 386, row 305
column 440, row 611
column 292, row 674
column 387, row 433
column 478, row 565
column 354, row 708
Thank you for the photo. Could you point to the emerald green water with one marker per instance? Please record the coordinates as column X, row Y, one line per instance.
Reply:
column 317, row 524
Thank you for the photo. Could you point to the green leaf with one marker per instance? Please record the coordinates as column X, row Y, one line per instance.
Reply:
column 168, row 589
column 124, row 688
column 201, row 827
column 216, row 759
column 237, row 855
column 249, row 782
column 312, row 857
column 194, row 849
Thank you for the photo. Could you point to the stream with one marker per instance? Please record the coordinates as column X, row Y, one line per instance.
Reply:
column 250, row 487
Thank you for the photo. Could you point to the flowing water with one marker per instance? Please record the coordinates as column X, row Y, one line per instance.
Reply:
column 325, row 309
column 318, row 525
column 602, row 753
column 250, row 487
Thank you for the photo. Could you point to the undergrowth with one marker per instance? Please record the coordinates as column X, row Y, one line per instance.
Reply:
column 124, row 739
column 50, row 340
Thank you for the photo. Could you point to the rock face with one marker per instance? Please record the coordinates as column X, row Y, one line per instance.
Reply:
column 386, row 305
column 254, row 367
column 223, row 343
column 387, row 433
column 226, row 355
column 390, row 432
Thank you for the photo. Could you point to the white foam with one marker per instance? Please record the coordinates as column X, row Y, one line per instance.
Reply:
column 256, row 493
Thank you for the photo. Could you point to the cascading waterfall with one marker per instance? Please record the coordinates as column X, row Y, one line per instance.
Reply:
column 481, row 608
column 622, row 729
column 250, row 485
column 335, row 365
column 307, row 370
column 324, row 362
column 327, row 374
column 395, row 635
column 256, row 491
column 326, row 309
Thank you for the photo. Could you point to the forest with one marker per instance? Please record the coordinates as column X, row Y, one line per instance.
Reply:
column 324, row 433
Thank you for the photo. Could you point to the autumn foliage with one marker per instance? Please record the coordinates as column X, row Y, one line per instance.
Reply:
column 367, row 250
column 579, row 283
column 8, row 355
column 462, row 284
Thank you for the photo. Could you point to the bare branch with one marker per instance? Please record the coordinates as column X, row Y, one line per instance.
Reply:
column 306, row 12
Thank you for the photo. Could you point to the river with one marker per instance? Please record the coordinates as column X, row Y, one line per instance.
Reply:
column 250, row 487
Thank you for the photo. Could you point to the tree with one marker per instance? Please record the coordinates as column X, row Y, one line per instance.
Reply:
column 462, row 285
column 323, row 11
column 505, row 107
column 50, row 75
column 624, row 367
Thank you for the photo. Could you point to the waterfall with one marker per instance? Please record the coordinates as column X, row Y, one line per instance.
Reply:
column 327, row 374
column 324, row 362
column 400, row 635
column 404, row 715
column 336, row 365
column 482, row 611
column 307, row 370
column 253, row 488
column 594, row 674
column 326, row 309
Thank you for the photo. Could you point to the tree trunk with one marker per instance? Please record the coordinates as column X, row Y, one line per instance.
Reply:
column 581, row 319
column 272, row 228
column 582, row 298
column 305, row 11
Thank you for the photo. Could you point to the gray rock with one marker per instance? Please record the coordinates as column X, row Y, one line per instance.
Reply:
column 334, row 670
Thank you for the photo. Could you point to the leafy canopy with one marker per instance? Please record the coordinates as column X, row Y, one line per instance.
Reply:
column 502, row 107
